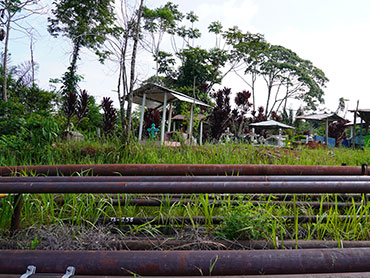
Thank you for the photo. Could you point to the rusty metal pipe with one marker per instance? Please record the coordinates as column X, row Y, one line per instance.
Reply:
column 184, row 178
column 184, row 169
column 156, row 202
column 171, row 244
column 314, row 275
column 218, row 203
column 186, row 187
column 201, row 220
column 182, row 263
column 320, row 275
column 254, row 196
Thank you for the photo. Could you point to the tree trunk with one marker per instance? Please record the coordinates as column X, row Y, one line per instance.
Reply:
column 253, row 95
column 286, row 98
column 268, row 98
column 32, row 62
column 70, row 78
column 122, row 76
column 5, row 59
column 132, row 74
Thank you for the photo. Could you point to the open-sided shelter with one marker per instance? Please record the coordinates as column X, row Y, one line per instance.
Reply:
column 155, row 96
column 326, row 117
column 364, row 115
column 271, row 124
column 181, row 118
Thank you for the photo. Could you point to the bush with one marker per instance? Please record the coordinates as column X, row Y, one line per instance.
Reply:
column 247, row 222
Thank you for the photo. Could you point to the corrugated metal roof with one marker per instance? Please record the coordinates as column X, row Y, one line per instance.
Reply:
column 364, row 114
column 321, row 117
column 155, row 96
column 182, row 117
column 271, row 124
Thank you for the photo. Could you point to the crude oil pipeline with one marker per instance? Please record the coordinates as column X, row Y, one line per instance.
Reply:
column 185, row 169
column 191, row 179
column 189, row 263
column 186, row 187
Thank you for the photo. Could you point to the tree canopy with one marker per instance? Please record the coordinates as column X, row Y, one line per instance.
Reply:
column 87, row 23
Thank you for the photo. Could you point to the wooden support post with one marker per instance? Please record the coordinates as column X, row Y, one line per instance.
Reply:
column 191, row 123
column 354, row 127
column 327, row 132
column 169, row 119
column 280, row 141
column 163, row 117
column 142, row 117
column 201, row 133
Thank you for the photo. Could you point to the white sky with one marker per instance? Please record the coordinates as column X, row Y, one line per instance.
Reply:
column 333, row 34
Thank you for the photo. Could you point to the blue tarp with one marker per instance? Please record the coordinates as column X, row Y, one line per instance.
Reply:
column 346, row 143
column 331, row 141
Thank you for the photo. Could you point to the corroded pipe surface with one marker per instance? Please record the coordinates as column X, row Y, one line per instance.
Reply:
column 173, row 244
column 183, row 178
column 186, row 187
column 192, row 263
column 217, row 203
column 320, row 275
column 184, row 169
column 212, row 220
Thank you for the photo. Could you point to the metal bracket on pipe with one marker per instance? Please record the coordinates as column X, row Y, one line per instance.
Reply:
column 363, row 169
column 31, row 269
column 70, row 272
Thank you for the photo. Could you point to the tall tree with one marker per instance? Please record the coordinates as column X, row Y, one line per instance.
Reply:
column 87, row 23
column 136, row 32
column 282, row 68
column 125, row 48
column 158, row 22
column 12, row 11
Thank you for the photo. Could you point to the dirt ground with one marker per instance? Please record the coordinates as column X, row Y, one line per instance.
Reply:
column 57, row 237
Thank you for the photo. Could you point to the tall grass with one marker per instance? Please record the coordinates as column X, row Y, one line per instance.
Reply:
column 242, row 221
column 94, row 152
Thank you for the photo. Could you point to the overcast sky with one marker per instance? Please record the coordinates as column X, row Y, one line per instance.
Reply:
column 333, row 34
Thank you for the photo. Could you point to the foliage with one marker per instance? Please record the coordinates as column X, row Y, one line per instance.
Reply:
column 287, row 116
column 87, row 23
column 29, row 133
column 198, row 66
column 109, row 116
column 82, row 105
column 220, row 116
column 337, row 131
column 281, row 67
column 260, row 117
column 77, row 106
column 240, row 112
column 35, row 99
column 92, row 119
column 247, row 222
column 69, row 106
column 164, row 20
